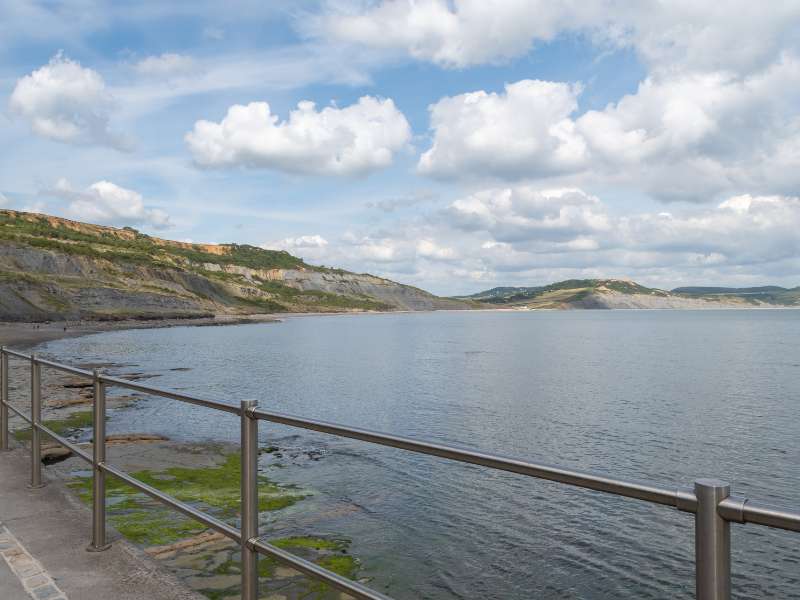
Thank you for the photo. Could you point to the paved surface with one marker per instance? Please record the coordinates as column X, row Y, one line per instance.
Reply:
column 53, row 528
column 29, row 572
column 10, row 586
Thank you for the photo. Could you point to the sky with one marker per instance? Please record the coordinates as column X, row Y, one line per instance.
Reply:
column 456, row 145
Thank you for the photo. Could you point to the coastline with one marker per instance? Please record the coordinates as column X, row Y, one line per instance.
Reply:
column 196, row 561
column 25, row 335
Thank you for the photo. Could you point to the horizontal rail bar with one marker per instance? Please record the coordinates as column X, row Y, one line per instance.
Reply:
column 65, row 368
column 66, row 443
column 730, row 509
column 182, row 507
column 19, row 413
column 353, row 588
column 770, row 516
column 592, row 481
column 132, row 385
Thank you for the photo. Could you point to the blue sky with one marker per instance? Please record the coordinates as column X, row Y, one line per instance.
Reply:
column 452, row 145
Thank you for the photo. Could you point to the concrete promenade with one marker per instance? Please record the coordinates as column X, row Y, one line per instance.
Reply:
column 43, row 538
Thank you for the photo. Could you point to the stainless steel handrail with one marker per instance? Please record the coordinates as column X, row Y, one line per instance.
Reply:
column 138, row 387
column 710, row 500
column 592, row 481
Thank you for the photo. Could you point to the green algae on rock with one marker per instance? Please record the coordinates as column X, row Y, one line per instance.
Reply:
column 222, row 581
column 215, row 489
column 208, row 562
column 72, row 422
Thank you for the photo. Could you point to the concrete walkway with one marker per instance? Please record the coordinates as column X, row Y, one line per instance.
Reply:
column 43, row 539
column 10, row 586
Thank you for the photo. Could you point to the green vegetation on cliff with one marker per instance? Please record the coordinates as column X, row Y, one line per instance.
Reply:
column 550, row 296
column 620, row 293
column 53, row 268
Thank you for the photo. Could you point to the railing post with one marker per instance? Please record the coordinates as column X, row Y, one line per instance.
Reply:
column 36, row 419
column 99, row 542
column 712, row 542
column 249, row 509
column 3, row 399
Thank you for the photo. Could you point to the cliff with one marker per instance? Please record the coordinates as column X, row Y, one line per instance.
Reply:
column 618, row 293
column 54, row 269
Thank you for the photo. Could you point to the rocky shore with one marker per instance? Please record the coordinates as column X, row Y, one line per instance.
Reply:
column 25, row 335
column 205, row 475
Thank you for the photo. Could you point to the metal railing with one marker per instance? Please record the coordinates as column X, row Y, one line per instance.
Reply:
column 709, row 500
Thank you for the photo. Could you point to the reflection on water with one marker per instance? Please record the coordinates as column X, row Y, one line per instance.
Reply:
column 666, row 396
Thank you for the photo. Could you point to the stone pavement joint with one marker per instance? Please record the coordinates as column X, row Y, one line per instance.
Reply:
column 36, row 581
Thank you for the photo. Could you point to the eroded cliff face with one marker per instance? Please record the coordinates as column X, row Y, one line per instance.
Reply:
column 52, row 269
column 400, row 297
column 616, row 300
column 38, row 284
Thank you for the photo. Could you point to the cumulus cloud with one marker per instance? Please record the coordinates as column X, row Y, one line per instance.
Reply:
column 312, row 248
column 372, row 249
column 710, row 131
column 525, row 132
column 390, row 205
column 107, row 203
column 689, row 136
column 522, row 235
column 66, row 102
column 524, row 213
column 461, row 33
column 715, row 115
column 432, row 250
column 292, row 243
column 768, row 223
column 528, row 228
column 165, row 65
column 354, row 140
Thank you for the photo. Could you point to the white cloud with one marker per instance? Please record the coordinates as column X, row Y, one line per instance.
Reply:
column 311, row 248
column 735, row 35
column 524, row 213
column 104, row 202
column 680, row 34
column 354, row 140
column 166, row 64
column 716, row 114
column 66, row 102
column 432, row 250
column 458, row 33
column 292, row 243
column 710, row 131
column 526, row 236
column 527, row 227
column 373, row 249
column 524, row 132
column 689, row 136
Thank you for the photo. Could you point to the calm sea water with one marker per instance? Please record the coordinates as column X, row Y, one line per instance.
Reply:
column 666, row 396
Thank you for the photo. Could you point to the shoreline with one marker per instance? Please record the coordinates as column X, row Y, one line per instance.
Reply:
column 25, row 335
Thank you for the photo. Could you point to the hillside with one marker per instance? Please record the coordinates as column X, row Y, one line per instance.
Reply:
column 766, row 295
column 53, row 268
column 618, row 293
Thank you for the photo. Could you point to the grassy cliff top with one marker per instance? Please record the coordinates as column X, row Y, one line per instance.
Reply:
column 510, row 295
column 574, row 291
column 128, row 244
